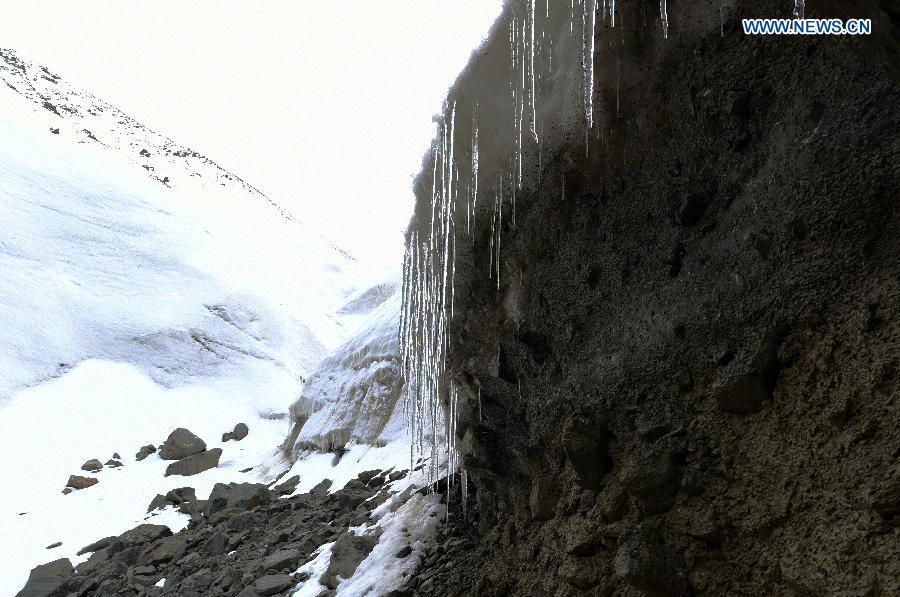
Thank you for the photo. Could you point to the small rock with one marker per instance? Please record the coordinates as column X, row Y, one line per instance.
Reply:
column 93, row 465
column 77, row 482
column 113, row 463
column 145, row 451
column 164, row 550
column 287, row 487
column 273, row 583
column 158, row 503
column 240, row 431
column 116, row 456
column 404, row 552
column 288, row 558
column 367, row 476
column 144, row 570
column 182, row 494
column 54, row 545
column 181, row 444
column 54, row 131
column 397, row 475
column 66, row 490
column 193, row 465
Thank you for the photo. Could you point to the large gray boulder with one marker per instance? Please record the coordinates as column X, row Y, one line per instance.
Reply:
column 347, row 554
column 273, row 583
column 195, row 464
column 180, row 444
column 47, row 579
column 236, row 495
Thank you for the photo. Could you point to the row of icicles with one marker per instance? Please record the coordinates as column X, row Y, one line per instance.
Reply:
column 429, row 265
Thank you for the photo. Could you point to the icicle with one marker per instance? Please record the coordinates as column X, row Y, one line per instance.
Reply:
column 590, row 18
column 479, row 404
column 532, row 75
column 664, row 17
column 464, row 489
column 799, row 8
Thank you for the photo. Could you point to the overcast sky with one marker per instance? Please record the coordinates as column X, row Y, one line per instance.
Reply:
column 324, row 105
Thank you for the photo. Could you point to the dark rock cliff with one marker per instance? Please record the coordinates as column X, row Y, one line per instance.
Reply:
column 688, row 381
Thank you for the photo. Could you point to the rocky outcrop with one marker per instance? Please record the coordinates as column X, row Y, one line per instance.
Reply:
column 242, row 544
column 685, row 380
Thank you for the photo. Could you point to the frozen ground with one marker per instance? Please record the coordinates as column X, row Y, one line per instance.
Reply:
column 139, row 293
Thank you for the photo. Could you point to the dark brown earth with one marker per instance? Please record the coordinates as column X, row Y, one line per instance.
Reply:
column 690, row 376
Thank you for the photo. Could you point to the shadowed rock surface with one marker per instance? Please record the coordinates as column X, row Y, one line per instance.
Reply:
column 687, row 382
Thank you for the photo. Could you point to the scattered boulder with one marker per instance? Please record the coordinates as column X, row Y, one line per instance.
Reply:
column 216, row 544
column 236, row 495
column 113, row 463
column 282, row 560
column 287, row 487
column 47, row 579
column 273, row 583
column 77, row 482
column 239, row 432
column 163, row 550
column 54, row 545
column 182, row 494
column 403, row 552
column 144, row 452
column 367, row 476
column 181, row 444
column 193, row 465
column 93, row 465
column 348, row 552
column 158, row 503
column 54, row 131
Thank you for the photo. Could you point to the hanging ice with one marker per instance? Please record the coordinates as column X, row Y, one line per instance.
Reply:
column 664, row 18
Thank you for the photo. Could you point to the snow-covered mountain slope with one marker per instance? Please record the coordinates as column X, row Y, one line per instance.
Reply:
column 102, row 259
column 134, row 300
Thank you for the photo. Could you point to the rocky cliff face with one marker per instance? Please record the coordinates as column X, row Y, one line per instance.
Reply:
column 686, row 380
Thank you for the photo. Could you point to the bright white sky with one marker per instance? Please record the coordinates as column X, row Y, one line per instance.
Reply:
column 324, row 105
